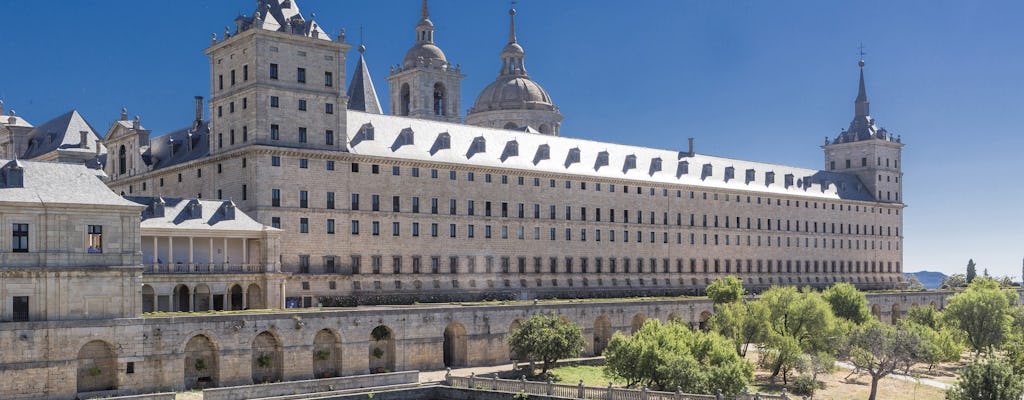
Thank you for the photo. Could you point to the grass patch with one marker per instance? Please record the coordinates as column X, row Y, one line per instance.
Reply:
column 590, row 374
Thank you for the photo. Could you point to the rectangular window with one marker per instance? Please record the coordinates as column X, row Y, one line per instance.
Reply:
column 302, row 135
column 396, row 203
column 303, row 199
column 273, row 71
column 330, row 226
column 355, row 202
column 275, row 102
column 275, row 197
column 302, row 105
column 329, row 137
column 303, row 163
column 355, row 167
column 245, row 192
column 20, row 309
column 275, row 132
column 330, row 200
column 375, row 202
column 328, row 79
column 275, row 222
column 275, row 161
column 303, row 225
column 375, row 228
column 395, row 229
column 300, row 75
column 415, row 229
column 355, row 227
column 95, row 239
column 329, row 108
column 329, row 165
column 245, row 72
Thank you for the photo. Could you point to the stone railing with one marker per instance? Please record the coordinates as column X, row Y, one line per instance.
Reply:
column 580, row 391
column 204, row 268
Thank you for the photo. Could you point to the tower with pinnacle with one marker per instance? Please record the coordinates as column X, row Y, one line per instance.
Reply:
column 869, row 152
column 425, row 85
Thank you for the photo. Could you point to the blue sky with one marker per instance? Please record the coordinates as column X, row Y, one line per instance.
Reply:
column 759, row 80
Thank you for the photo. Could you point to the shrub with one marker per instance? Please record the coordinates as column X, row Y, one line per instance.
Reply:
column 805, row 385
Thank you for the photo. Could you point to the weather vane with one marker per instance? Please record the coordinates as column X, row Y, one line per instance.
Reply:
column 860, row 51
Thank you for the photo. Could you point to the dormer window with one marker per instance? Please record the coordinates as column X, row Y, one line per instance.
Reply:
column 751, row 175
column 706, row 171
column 789, row 180
column 602, row 160
column 511, row 150
column 443, row 141
column 573, row 156
column 655, row 166
column 629, row 164
column 683, row 168
column 405, row 137
column 543, row 153
column 479, row 145
column 769, row 178
column 730, row 173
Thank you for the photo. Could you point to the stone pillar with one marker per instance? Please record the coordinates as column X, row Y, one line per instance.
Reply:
column 191, row 256
column 224, row 255
column 210, row 251
column 245, row 251
column 156, row 258
column 170, row 252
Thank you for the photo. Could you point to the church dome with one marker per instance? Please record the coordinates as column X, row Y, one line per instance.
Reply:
column 513, row 93
column 427, row 50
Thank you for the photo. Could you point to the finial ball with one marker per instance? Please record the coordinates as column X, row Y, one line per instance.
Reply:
column 512, row 11
column 861, row 63
column 362, row 49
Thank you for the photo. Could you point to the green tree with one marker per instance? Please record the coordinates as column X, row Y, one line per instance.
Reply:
column 546, row 338
column 795, row 322
column 924, row 315
column 741, row 322
column 847, row 302
column 880, row 349
column 971, row 271
column 990, row 379
column 982, row 312
column 727, row 290
column 954, row 281
column 667, row 356
column 936, row 345
column 914, row 284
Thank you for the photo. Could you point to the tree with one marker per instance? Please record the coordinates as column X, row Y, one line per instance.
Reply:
column 954, row 281
column 795, row 322
column 547, row 338
column 667, row 356
column 982, row 312
column 847, row 302
column 990, row 379
column 914, row 284
column 971, row 272
column 726, row 290
column 924, row 315
column 880, row 349
column 741, row 322
column 936, row 345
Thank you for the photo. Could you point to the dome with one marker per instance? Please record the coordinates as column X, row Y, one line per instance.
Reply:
column 513, row 49
column 426, row 50
column 513, row 93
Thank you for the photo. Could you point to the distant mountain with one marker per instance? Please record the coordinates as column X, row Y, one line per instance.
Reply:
column 930, row 280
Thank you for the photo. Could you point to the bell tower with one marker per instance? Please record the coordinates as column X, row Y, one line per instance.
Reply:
column 425, row 85
column 869, row 152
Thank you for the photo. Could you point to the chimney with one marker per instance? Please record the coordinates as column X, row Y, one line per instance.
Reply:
column 135, row 123
column 158, row 207
column 199, row 108
column 97, row 147
column 691, row 146
column 83, row 139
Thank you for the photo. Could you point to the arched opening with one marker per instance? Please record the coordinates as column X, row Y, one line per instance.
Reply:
column 201, row 363
column 455, row 345
column 148, row 299
column 545, row 129
column 510, row 126
column 637, row 323
column 935, row 306
column 602, row 333
column 703, row 322
column 675, row 317
column 326, row 354
column 181, row 298
column 254, row 297
column 405, row 100
column 267, row 358
column 895, row 313
column 235, row 296
column 876, row 311
column 122, row 160
column 440, row 102
column 97, row 367
column 514, row 326
column 382, row 350
column 201, row 295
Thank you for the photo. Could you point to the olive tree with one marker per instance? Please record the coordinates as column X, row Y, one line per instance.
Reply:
column 546, row 338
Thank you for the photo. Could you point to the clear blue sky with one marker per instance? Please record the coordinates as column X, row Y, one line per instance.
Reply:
column 759, row 80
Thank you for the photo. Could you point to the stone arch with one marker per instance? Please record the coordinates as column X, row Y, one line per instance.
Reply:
column 514, row 326
column 876, row 310
column 675, row 317
column 440, row 99
column 97, row 367
column 201, row 297
column 895, row 313
column 235, row 296
column 455, row 345
column 382, row 350
column 637, row 323
column 405, row 100
column 201, row 368
column 148, row 299
column 326, row 354
column 254, row 297
column 267, row 358
column 181, row 298
column 602, row 333
column 702, row 323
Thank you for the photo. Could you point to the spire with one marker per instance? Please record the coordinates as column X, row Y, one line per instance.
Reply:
column 513, row 55
column 861, row 105
column 425, row 28
column 424, row 12
column 362, row 96
column 511, row 25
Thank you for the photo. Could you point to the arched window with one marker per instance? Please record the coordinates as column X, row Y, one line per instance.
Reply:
column 406, row 98
column 122, row 156
column 439, row 100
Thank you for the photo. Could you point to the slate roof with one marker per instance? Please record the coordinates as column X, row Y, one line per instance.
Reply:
column 281, row 16
column 179, row 146
column 362, row 96
column 434, row 141
column 61, row 133
column 177, row 215
column 48, row 183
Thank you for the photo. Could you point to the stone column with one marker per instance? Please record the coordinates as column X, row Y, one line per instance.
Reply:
column 156, row 257
column 224, row 255
column 191, row 256
column 209, row 259
column 245, row 251
column 170, row 252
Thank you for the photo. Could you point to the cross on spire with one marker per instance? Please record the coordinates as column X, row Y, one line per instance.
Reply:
column 861, row 53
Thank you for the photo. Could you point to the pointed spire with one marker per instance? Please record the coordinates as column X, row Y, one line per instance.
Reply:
column 424, row 12
column 861, row 104
column 512, row 25
column 362, row 96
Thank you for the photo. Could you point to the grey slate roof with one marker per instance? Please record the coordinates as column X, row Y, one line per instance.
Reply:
column 179, row 146
column 361, row 94
column 281, row 16
column 61, row 133
column 47, row 183
column 212, row 215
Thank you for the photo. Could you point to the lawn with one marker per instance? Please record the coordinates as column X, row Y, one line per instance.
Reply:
column 591, row 375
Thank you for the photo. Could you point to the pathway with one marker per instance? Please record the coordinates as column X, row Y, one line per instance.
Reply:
column 927, row 382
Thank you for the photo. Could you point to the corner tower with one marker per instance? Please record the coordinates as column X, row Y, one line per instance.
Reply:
column 425, row 85
column 278, row 80
column 513, row 100
column 869, row 152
